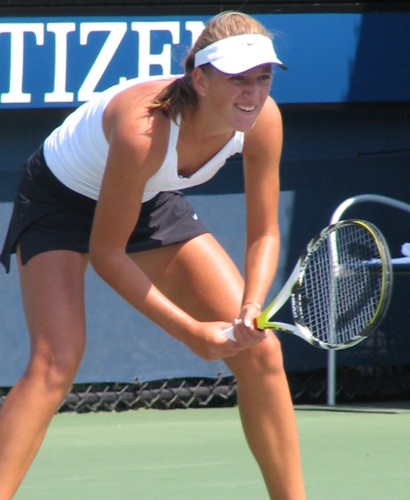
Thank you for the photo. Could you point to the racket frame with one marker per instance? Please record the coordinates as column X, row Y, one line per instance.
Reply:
column 293, row 283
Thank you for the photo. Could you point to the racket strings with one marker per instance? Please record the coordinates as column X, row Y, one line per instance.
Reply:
column 342, row 284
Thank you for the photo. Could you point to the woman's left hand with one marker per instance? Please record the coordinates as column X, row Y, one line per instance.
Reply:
column 245, row 330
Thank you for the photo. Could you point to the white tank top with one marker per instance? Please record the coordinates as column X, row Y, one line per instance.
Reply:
column 76, row 152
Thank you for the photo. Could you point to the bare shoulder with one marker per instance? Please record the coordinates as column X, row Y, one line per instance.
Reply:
column 128, row 112
column 267, row 131
column 132, row 130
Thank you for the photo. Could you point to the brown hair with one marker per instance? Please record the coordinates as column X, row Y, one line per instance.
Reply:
column 180, row 94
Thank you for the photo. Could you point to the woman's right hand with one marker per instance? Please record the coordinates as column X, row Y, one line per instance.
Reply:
column 209, row 342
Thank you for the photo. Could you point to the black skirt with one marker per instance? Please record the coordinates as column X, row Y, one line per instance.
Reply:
column 49, row 216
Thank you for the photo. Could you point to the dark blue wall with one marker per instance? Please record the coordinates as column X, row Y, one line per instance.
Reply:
column 333, row 149
column 329, row 155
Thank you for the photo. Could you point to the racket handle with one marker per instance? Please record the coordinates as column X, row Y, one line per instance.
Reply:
column 229, row 333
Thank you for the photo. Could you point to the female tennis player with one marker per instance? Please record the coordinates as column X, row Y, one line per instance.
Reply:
column 105, row 188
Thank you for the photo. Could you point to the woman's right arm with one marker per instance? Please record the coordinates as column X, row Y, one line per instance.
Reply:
column 132, row 160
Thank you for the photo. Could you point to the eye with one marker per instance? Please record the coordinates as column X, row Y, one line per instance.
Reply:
column 237, row 78
column 266, row 77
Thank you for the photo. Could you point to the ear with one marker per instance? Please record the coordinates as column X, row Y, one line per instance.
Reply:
column 199, row 81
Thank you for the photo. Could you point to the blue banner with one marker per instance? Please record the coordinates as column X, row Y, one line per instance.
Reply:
column 61, row 61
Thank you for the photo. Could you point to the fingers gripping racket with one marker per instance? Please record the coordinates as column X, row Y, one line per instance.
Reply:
column 339, row 290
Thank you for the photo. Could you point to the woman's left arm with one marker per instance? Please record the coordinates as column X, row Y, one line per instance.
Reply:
column 261, row 157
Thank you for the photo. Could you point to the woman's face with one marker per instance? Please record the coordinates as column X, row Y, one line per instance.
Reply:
column 236, row 99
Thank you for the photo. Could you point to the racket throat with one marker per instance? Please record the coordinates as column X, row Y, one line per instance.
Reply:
column 258, row 323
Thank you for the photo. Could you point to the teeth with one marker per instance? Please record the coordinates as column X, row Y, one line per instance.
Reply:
column 246, row 108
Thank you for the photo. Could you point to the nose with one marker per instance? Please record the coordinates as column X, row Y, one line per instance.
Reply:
column 251, row 87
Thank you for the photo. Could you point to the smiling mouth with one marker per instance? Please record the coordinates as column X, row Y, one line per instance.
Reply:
column 247, row 109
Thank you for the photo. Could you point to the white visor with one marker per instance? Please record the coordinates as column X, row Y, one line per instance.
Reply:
column 239, row 53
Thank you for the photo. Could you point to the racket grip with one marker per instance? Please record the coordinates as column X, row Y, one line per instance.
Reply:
column 229, row 333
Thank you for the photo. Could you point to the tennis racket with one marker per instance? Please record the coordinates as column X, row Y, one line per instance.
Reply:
column 339, row 290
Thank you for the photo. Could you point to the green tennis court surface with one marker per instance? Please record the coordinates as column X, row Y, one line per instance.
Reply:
column 201, row 454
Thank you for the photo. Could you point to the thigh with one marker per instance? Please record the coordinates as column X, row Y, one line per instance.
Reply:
column 52, row 287
column 202, row 279
column 197, row 275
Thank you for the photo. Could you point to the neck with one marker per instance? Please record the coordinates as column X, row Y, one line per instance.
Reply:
column 197, row 123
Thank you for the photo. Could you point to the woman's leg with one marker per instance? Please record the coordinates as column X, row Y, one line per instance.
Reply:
column 52, row 286
column 268, row 418
column 202, row 279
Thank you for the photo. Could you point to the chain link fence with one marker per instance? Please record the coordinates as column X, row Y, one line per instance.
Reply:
column 355, row 385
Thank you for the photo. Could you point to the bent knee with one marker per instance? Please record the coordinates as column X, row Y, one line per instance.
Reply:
column 55, row 371
column 264, row 359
